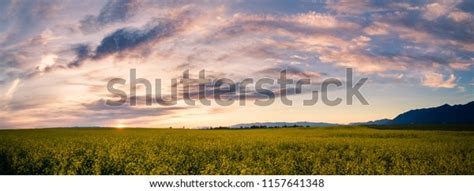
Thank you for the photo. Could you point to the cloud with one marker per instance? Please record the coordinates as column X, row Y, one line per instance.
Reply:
column 14, row 64
column 21, row 15
column 277, row 25
column 93, row 113
column 7, row 98
column 461, row 66
column 435, row 22
column 460, row 16
column 114, row 11
column 129, row 38
column 82, row 52
column 377, row 28
column 99, row 109
column 433, row 11
column 364, row 63
column 393, row 43
column 12, row 89
column 125, row 39
column 291, row 72
column 47, row 61
column 436, row 80
column 44, row 38
column 349, row 6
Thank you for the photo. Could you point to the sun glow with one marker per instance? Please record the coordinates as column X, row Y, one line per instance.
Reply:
column 120, row 125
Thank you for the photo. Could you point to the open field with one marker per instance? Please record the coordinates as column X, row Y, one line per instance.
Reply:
column 340, row 150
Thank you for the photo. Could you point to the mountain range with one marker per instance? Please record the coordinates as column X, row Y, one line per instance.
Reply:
column 283, row 124
column 445, row 114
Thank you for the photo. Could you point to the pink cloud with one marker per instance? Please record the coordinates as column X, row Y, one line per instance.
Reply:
column 437, row 80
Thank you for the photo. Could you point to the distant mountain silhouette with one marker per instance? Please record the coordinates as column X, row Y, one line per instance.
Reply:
column 445, row 114
column 376, row 122
column 283, row 124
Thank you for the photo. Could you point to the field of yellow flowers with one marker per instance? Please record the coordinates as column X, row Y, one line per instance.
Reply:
column 339, row 150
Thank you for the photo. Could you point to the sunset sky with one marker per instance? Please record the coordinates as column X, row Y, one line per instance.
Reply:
column 56, row 57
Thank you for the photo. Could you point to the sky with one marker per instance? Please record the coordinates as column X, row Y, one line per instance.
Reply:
column 57, row 57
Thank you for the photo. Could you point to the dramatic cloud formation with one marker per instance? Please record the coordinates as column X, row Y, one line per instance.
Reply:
column 128, row 38
column 57, row 56
column 113, row 12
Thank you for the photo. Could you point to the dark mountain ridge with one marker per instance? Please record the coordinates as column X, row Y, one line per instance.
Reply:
column 445, row 114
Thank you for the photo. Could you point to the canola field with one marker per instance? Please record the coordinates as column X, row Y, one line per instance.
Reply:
column 283, row 151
